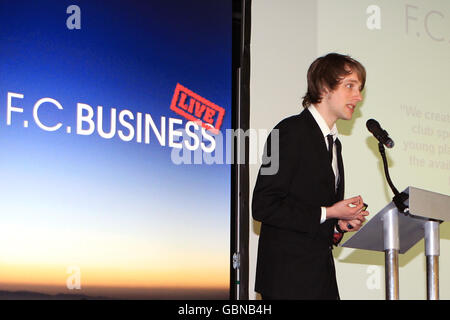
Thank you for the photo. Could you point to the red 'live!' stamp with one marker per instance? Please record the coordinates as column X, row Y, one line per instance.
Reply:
column 196, row 108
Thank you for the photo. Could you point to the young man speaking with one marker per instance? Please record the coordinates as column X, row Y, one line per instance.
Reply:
column 301, row 207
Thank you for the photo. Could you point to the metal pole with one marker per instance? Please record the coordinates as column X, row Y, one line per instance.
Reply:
column 391, row 249
column 432, row 252
column 391, row 274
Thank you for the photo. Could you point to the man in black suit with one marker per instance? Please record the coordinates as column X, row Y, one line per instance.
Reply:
column 301, row 207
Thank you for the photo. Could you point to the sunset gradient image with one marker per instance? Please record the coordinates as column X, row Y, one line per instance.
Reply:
column 106, row 212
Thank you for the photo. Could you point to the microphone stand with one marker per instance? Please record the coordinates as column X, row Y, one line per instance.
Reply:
column 399, row 198
column 391, row 234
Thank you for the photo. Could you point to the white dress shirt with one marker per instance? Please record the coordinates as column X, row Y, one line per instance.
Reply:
column 326, row 131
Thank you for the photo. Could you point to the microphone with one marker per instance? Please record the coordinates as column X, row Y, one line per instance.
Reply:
column 382, row 136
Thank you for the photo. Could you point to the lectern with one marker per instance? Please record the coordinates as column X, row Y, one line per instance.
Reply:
column 394, row 232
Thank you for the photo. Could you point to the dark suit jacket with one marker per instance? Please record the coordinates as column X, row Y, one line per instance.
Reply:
column 294, row 250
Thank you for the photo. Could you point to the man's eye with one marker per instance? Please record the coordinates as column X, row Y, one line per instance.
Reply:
column 349, row 85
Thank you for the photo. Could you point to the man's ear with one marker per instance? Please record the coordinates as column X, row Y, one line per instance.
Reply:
column 325, row 92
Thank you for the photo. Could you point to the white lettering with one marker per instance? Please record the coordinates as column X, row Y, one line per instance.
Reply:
column 10, row 107
column 192, row 135
column 85, row 119
column 174, row 133
column 160, row 135
column 212, row 145
column 112, row 130
column 127, row 125
column 36, row 117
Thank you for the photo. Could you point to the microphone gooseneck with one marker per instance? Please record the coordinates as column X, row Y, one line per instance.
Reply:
column 383, row 140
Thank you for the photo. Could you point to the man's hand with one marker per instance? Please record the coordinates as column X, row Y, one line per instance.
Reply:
column 348, row 209
column 356, row 224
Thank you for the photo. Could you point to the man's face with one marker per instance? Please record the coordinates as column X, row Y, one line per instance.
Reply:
column 343, row 100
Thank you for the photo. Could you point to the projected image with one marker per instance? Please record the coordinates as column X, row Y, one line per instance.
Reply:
column 96, row 202
column 405, row 48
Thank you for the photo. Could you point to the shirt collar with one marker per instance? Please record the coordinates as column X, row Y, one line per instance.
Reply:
column 322, row 124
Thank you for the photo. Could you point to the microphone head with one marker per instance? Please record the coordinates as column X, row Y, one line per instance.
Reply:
column 372, row 125
column 382, row 136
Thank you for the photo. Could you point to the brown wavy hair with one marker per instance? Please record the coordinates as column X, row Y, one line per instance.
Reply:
column 327, row 72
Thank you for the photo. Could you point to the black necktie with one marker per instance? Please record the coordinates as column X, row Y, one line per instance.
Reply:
column 330, row 147
column 340, row 166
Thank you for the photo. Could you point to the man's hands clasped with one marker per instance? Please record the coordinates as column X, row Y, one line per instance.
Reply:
column 349, row 212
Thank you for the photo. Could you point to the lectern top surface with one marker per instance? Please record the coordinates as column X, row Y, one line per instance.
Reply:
column 423, row 205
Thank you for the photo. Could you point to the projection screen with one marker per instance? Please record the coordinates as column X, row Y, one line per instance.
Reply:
column 114, row 181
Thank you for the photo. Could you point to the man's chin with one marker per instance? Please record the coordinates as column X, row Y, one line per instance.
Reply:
column 346, row 117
